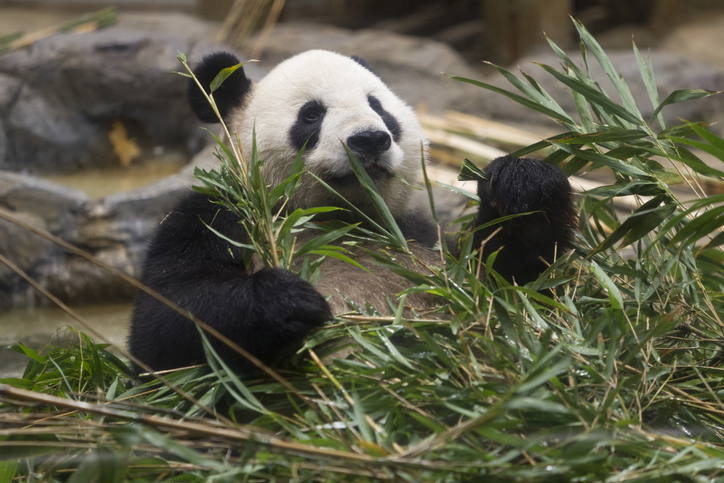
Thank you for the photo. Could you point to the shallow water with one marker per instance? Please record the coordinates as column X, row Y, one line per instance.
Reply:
column 143, row 172
column 38, row 327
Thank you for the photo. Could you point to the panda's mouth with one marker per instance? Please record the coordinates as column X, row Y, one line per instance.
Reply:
column 377, row 173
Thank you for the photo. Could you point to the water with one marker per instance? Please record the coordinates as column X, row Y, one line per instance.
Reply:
column 143, row 172
column 38, row 327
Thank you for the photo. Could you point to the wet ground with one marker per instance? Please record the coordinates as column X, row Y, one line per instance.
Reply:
column 38, row 327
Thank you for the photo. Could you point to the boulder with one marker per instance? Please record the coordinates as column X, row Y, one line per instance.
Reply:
column 60, row 98
column 115, row 230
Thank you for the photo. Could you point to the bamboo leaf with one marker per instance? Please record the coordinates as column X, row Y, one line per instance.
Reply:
column 223, row 75
column 376, row 198
column 682, row 95
column 620, row 85
column 595, row 97
column 543, row 109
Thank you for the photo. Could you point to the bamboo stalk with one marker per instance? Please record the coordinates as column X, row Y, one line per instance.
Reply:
column 86, row 23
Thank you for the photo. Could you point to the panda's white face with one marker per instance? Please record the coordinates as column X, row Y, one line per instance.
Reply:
column 325, row 99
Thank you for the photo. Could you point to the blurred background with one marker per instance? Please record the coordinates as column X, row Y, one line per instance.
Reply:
column 97, row 142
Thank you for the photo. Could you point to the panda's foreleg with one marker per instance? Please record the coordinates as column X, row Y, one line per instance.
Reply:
column 527, row 243
column 266, row 312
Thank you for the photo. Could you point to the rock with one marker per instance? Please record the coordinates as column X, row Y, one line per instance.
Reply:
column 56, row 205
column 115, row 230
column 61, row 97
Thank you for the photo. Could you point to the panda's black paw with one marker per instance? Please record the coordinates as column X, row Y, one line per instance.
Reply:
column 290, row 306
column 519, row 185
column 526, row 243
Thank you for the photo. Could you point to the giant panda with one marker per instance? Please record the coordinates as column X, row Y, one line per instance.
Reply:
column 322, row 100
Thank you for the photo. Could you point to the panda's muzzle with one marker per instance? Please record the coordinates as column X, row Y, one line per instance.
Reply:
column 369, row 147
column 370, row 143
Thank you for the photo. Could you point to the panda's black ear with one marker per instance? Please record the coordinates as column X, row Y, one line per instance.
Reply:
column 363, row 64
column 231, row 93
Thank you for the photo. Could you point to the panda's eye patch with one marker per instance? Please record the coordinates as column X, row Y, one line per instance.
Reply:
column 305, row 131
column 387, row 118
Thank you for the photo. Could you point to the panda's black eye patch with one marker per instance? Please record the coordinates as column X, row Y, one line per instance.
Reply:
column 308, row 124
column 387, row 118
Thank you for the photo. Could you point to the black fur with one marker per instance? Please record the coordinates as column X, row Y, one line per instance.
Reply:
column 268, row 312
column 231, row 93
column 527, row 243
column 387, row 118
column 309, row 123
column 364, row 64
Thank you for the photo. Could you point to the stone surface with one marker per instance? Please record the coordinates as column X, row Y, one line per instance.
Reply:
column 114, row 230
column 75, row 87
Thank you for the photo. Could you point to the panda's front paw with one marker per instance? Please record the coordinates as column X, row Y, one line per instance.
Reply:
column 520, row 185
column 527, row 243
column 291, row 306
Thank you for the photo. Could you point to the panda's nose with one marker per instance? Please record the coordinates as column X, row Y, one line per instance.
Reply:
column 370, row 142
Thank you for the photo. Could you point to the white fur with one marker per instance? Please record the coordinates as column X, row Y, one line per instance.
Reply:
column 342, row 86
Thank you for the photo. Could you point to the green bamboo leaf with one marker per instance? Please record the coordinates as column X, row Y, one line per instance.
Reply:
column 646, row 218
column 715, row 140
column 520, row 100
column 614, row 294
column 530, row 149
column 299, row 217
column 460, row 191
column 615, row 78
column 584, row 112
column 317, row 242
column 223, row 75
column 647, row 74
column 614, row 134
column 682, row 130
column 368, row 185
column 682, row 96
column 568, row 63
column 469, row 171
column 626, row 188
column 600, row 159
column 694, row 162
column 702, row 225
column 7, row 471
column 706, row 147
column 533, row 90
column 595, row 97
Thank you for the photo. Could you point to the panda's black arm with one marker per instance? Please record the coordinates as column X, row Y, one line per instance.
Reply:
column 527, row 243
column 266, row 312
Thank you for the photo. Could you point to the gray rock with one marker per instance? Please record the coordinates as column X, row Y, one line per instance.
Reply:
column 56, row 205
column 61, row 97
column 115, row 230
column 46, row 136
column 9, row 88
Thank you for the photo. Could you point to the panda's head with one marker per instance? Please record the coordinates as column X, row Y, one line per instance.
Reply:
column 321, row 99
